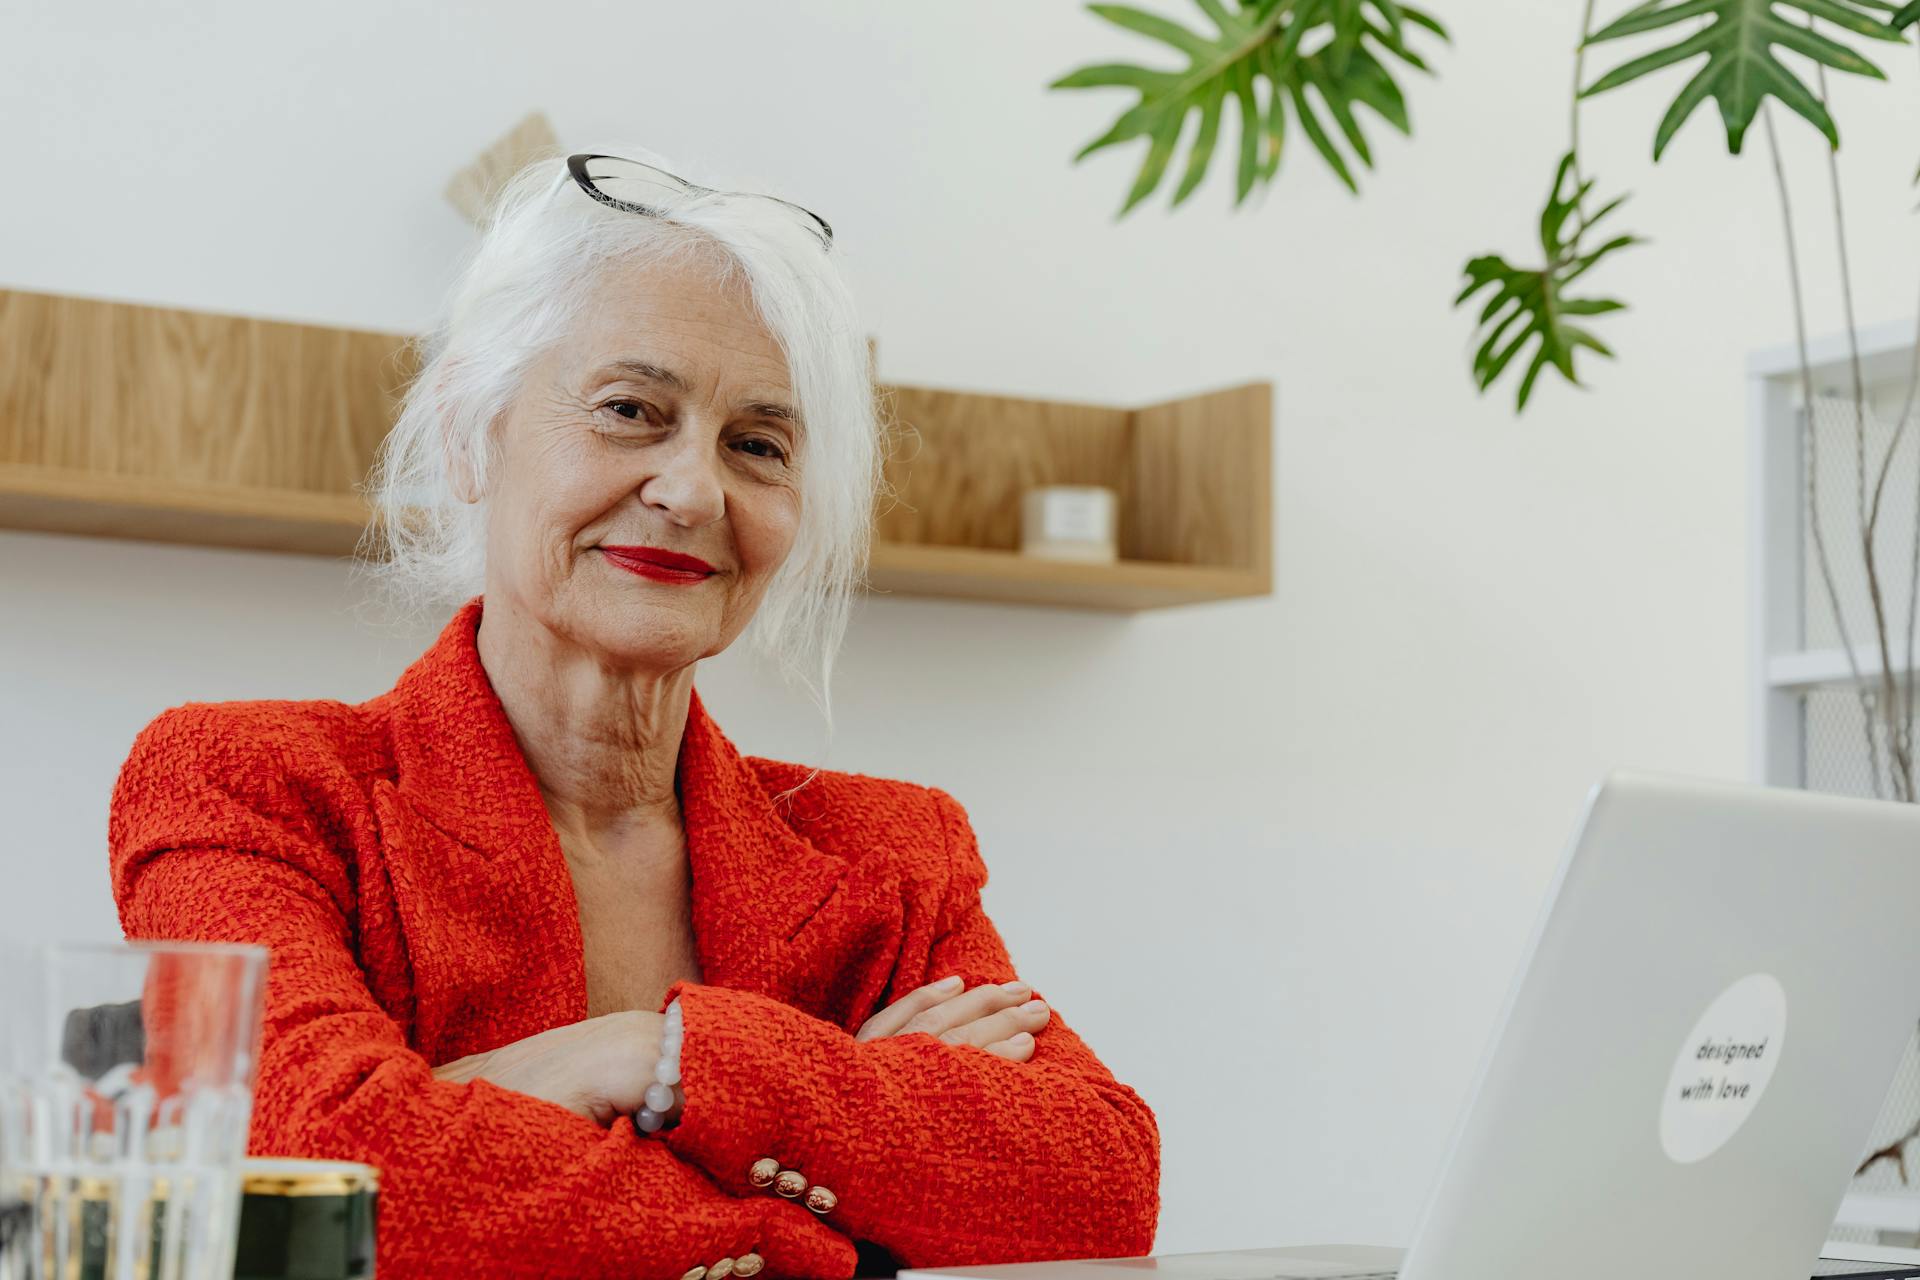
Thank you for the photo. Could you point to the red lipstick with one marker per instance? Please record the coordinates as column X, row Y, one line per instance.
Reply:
column 659, row 564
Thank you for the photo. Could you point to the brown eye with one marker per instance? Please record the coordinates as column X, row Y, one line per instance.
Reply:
column 631, row 410
column 761, row 447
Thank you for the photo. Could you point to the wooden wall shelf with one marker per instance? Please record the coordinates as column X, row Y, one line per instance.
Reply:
column 57, row 500
column 180, row 426
column 973, row 573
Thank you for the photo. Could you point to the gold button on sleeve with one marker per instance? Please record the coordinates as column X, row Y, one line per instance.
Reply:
column 763, row 1172
column 789, row 1184
column 720, row 1270
column 821, row 1200
column 747, row 1264
column 698, row 1273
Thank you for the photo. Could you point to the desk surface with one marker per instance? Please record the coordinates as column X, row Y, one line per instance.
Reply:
column 1261, row 1264
column 1242, row 1264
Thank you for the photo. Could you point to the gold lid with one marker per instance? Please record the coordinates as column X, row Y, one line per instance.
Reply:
column 276, row 1176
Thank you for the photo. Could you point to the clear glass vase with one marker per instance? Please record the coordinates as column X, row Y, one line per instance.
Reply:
column 126, row 1089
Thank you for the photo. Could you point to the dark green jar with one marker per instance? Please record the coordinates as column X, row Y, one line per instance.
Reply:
column 306, row 1220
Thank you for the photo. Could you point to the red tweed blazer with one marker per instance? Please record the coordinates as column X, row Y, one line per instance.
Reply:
column 396, row 857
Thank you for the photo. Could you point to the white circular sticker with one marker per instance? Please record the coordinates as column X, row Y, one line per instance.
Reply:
column 1723, row 1068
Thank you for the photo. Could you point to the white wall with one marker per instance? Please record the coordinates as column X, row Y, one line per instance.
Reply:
column 1275, row 859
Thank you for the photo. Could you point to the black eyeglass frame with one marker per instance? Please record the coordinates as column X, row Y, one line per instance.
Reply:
column 577, row 166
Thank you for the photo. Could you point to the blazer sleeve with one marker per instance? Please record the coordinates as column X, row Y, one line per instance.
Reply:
column 214, row 838
column 944, row 1155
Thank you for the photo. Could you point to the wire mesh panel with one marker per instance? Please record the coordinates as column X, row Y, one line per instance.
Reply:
column 1835, row 726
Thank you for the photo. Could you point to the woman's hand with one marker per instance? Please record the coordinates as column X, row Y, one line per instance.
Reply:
column 1000, row 1019
column 599, row 1068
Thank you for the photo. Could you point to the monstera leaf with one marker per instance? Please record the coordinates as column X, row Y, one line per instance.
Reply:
column 1255, row 53
column 1741, row 41
column 1531, row 305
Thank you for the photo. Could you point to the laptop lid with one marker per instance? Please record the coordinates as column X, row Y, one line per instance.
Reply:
column 1701, row 1035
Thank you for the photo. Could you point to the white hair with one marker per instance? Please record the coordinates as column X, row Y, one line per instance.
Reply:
column 521, row 291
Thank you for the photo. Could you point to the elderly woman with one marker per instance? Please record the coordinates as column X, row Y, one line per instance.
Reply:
column 599, row 995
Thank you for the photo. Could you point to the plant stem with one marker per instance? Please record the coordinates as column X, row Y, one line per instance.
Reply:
column 1813, row 442
column 1579, row 78
column 1895, row 1151
column 1899, row 749
column 1913, row 564
column 1846, row 299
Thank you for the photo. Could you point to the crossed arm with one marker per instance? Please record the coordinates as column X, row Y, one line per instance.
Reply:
column 599, row 1069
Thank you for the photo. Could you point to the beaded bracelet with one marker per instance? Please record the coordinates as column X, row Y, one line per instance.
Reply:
column 663, row 1099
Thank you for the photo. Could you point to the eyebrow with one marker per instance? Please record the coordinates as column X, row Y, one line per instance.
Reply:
column 652, row 372
column 667, row 377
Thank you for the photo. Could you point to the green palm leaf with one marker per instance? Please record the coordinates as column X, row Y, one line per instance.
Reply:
column 1530, row 306
column 1741, row 41
column 1254, row 61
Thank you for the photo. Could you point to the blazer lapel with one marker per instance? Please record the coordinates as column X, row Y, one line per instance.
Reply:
column 480, row 883
column 772, row 911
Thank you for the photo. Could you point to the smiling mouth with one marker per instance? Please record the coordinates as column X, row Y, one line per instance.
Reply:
column 659, row 565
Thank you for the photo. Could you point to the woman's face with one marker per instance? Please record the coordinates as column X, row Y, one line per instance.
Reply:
column 647, row 485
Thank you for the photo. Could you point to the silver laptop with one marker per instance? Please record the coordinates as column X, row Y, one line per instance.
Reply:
column 1703, row 1027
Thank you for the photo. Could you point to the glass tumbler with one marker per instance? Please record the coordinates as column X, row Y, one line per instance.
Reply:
column 126, row 1088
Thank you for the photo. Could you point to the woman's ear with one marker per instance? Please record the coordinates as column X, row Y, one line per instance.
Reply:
column 461, row 473
column 463, row 469
column 468, row 452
